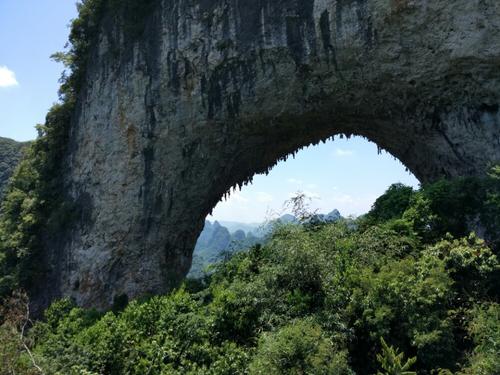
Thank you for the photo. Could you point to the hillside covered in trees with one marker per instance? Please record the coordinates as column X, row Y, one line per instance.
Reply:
column 10, row 154
column 407, row 287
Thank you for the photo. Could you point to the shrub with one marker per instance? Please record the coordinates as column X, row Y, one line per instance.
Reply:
column 485, row 331
column 298, row 348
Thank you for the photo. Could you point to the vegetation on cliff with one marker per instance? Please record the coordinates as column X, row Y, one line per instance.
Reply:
column 406, row 290
column 35, row 209
column 10, row 154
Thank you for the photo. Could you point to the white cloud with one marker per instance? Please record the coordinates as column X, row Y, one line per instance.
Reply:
column 312, row 195
column 311, row 186
column 343, row 152
column 344, row 199
column 7, row 77
column 263, row 197
column 308, row 194
column 349, row 204
column 237, row 197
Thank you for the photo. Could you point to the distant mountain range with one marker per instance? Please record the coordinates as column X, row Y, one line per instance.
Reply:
column 222, row 238
column 328, row 218
column 216, row 241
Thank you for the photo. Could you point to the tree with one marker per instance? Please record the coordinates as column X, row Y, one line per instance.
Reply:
column 485, row 331
column 300, row 204
column 297, row 349
column 391, row 204
column 393, row 362
column 15, row 354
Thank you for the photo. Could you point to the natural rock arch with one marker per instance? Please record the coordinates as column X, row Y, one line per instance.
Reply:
column 217, row 90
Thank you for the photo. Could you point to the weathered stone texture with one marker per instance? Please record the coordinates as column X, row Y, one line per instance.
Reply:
column 218, row 90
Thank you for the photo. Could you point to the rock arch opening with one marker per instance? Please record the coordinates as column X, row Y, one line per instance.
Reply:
column 340, row 178
column 214, row 92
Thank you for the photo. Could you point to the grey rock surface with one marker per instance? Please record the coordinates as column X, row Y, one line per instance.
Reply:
column 215, row 91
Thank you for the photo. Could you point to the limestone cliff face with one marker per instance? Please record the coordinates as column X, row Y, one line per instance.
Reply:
column 215, row 91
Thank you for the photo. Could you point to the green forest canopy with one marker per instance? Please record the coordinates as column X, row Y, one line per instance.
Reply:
column 315, row 299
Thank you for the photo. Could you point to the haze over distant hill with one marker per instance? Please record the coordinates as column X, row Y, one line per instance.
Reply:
column 219, row 239
column 233, row 226
column 260, row 229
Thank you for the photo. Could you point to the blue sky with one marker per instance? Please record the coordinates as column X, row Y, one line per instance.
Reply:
column 347, row 175
column 30, row 31
column 343, row 174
